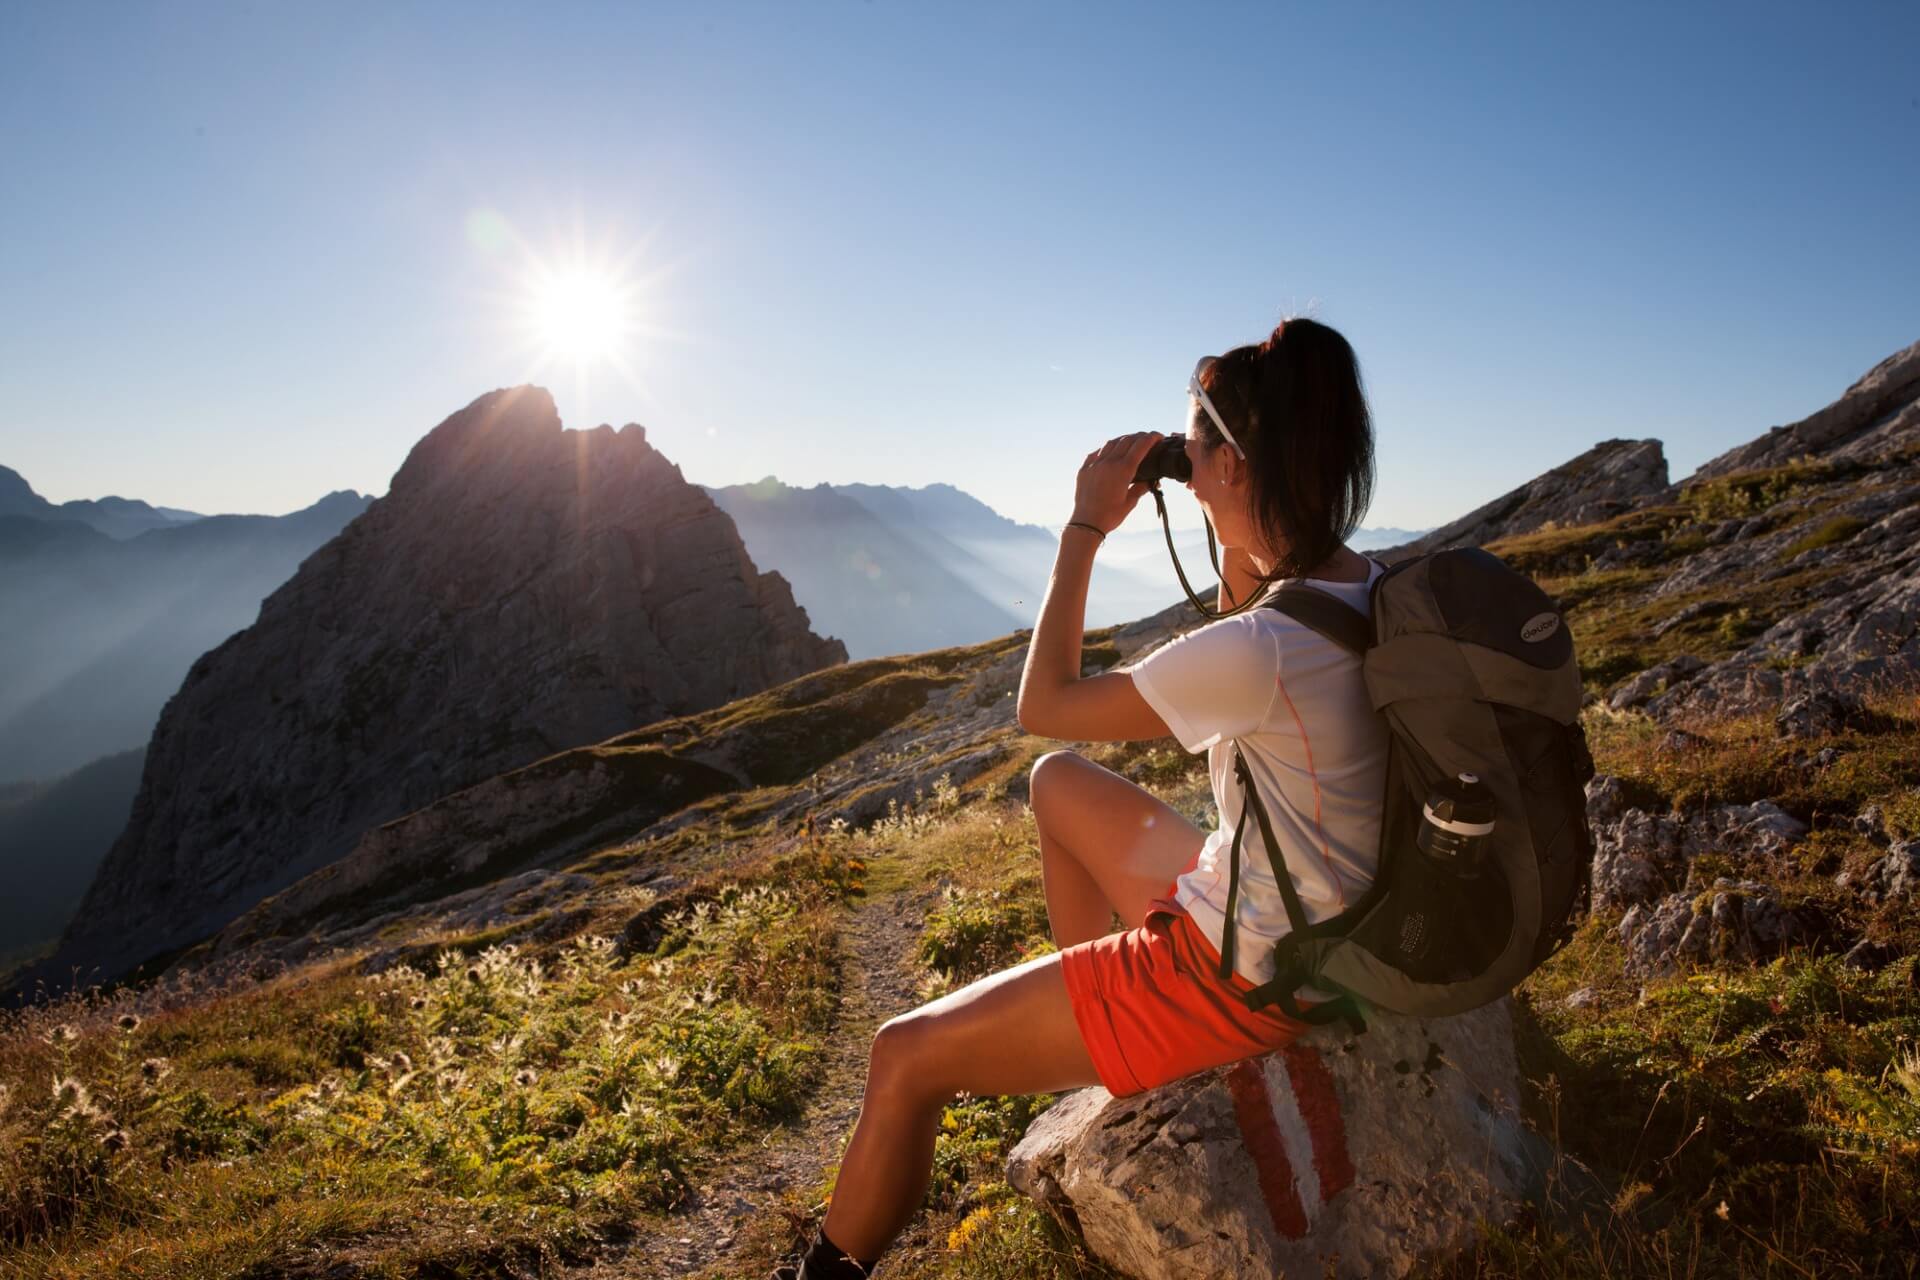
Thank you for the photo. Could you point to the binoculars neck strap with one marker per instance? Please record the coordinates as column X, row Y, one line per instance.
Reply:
column 1213, row 557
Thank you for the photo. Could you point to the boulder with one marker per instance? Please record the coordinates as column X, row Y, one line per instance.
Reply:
column 1737, row 921
column 1336, row 1156
column 1639, row 855
column 1637, row 690
column 1816, row 713
column 1868, row 955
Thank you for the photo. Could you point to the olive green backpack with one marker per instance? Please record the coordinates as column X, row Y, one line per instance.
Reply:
column 1472, row 667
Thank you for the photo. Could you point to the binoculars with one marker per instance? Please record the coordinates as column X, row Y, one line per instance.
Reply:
column 1168, row 460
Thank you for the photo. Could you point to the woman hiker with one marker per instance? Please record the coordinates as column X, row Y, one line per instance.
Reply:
column 1281, row 445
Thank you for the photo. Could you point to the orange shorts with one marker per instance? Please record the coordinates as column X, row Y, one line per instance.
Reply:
column 1152, row 1006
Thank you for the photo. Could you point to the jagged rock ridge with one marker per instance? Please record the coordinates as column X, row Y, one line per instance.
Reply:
column 519, row 590
column 1612, row 477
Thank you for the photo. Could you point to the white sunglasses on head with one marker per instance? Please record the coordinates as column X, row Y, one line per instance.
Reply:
column 1195, row 389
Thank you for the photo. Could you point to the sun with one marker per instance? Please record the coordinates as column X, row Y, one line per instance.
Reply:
column 581, row 315
column 578, row 309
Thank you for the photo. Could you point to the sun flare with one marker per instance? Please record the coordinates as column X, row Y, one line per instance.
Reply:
column 579, row 310
column 580, row 315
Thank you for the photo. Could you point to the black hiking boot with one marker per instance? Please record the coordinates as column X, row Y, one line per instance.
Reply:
column 823, row 1260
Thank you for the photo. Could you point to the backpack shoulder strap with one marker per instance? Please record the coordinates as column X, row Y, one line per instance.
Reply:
column 1338, row 622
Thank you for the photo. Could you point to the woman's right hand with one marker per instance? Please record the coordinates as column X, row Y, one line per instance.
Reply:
column 1104, row 493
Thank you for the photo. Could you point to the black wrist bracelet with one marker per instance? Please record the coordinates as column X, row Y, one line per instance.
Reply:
column 1094, row 529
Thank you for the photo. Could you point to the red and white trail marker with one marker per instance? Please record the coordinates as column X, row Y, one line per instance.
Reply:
column 1294, row 1131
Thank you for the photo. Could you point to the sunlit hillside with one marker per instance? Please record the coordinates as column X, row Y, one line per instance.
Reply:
column 639, row 1059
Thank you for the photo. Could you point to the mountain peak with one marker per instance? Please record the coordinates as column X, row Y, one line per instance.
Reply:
column 493, row 429
column 520, row 589
column 14, row 486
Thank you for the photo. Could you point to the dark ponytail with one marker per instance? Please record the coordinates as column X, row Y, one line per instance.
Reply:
column 1296, row 405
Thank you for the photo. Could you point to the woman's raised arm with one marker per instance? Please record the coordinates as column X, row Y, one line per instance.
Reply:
column 1055, row 701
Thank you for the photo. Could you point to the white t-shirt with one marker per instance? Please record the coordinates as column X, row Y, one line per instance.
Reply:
column 1296, row 704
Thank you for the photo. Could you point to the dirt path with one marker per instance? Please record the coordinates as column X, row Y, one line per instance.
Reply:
column 743, row 1204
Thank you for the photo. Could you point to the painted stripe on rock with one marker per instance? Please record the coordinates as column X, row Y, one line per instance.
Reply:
column 1260, row 1133
column 1283, row 1089
column 1319, row 1104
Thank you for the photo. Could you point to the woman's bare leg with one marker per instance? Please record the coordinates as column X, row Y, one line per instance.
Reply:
column 1106, row 846
column 1009, row 1033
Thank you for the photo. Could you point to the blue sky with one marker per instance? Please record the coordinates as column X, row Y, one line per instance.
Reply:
column 907, row 243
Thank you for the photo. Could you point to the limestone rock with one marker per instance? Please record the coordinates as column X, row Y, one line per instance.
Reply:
column 1636, row 690
column 1897, row 875
column 1612, row 477
column 1639, row 856
column 1337, row 1156
column 519, row 590
column 1883, row 407
column 1871, row 822
column 1868, row 956
column 1737, row 921
column 1816, row 713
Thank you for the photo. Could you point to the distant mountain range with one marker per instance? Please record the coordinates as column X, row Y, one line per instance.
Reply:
column 115, row 517
column 97, row 628
column 900, row 570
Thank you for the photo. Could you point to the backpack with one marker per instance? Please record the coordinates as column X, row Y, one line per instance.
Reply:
column 1472, row 667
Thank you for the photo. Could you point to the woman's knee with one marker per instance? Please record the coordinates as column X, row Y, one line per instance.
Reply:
column 903, row 1062
column 1049, row 774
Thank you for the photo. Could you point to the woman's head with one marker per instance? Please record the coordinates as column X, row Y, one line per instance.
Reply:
column 1295, row 406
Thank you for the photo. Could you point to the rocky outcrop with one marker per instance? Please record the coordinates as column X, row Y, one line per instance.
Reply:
column 1639, row 855
column 1731, row 922
column 1612, row 477
column 1643, row 865
column 1876, row 416
column 1831, row 551
column 519, row 590
column 1861, row 628
column 1337, row 1156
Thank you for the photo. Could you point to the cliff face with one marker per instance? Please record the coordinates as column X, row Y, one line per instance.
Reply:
column 521, row 589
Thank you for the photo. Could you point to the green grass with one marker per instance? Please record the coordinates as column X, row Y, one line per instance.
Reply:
column 1750, row 493
column 477, row 1114
column 1829, row 533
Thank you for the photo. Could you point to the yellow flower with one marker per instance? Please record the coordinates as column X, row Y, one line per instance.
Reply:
column 958, row 1237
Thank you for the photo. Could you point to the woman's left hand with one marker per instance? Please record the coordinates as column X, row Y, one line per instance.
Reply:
column 1104, row 493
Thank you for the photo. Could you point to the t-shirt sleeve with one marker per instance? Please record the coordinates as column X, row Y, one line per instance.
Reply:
column 1211, row 684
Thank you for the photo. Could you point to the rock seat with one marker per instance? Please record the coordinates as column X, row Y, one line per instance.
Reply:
column 1339, row 1155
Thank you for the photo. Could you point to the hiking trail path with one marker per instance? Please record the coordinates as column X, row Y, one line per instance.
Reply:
column 744, row 1204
